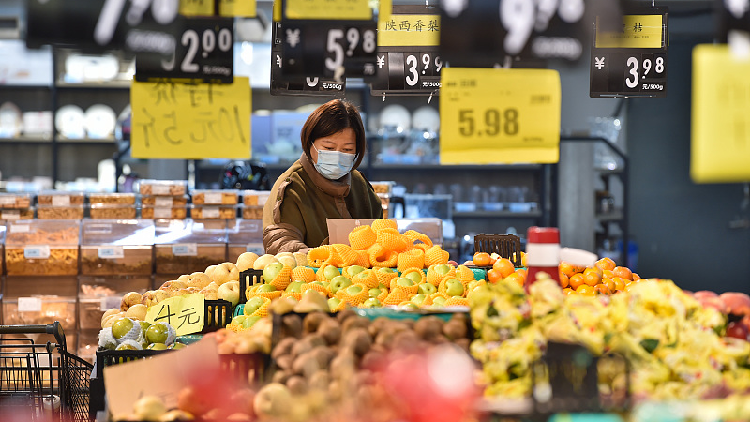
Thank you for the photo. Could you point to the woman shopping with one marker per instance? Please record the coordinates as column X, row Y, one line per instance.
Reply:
column 322, row 184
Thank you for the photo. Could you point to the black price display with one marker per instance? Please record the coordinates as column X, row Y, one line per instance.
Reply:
column 328, row 49
column 413, row 72
column 204, row 50
column 633, row 62
column 734, row 19
column 481, row 33
column 298, row 85
column 491, row 122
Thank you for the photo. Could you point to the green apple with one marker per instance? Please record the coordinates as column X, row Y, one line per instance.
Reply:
column 409, row 305
column 374, row 292
column 418, row 299
column 414, row 276
column 266, row 288
column 128, row 345
column 157, row 333
column 472, row 285
column 330, row 272
column 250, row 321
column 353, row 290
column 271, row 270
column 121, row 327
column 372, row 303
column 362, row 276
column 453, row 287
column 386, row 270
column 333, row 302
column 404, row 282
column 252, row 305
column 177, row 346
column 294, row 287
column 426, row 289
column 144, row 325
column 239, row 319
column 338, row 283
column 441, row 269
column 438, row 302
column 157, row 346
column 353, row 270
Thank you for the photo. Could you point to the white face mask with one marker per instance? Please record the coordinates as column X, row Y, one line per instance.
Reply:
column 334, row 164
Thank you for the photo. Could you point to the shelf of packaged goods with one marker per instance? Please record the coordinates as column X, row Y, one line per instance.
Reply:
column 94, row 85
column 496, row 214
column 26, row 140
column 87, row 141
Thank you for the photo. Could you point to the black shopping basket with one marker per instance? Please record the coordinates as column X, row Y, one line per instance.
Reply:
column 40, row 380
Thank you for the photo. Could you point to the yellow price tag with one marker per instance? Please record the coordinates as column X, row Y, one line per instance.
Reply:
column 500, row 116
column 238, row 8
column 638, row 31
column 328, row 10
column 184, row 313
column 197, row 7
column 180, row 120
column 720, row 133
column 409, row 30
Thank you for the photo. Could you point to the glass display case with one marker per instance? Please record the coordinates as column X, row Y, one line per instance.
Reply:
column 244, row 236
column 42, row 247
column 187, row 246
column 117, row 247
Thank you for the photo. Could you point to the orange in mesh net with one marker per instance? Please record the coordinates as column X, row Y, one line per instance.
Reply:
column 381, row 257
column 421, row 246
column 317, row 287
column 320, row 275
column 363, row 258
column 395, row 297
column 383, row 294
column 416, row 270
column 383, row 223
column 414, row 235
column 393, row 240
column 436, row 255
column 305, row 274
column 346, row 255
column 464, row 273
column 385, row 277
column 341, row 306
column 409, row 290
column 283, row 278
column 413, row 258
column 354, row 299
column 269, row 295
column 434, row 277
column 317, row 256
column 456, row 301
column 262, row 311
column 368, row 278
column 362, row 237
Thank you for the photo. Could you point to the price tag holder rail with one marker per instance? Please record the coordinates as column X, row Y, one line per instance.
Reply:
column 634, row 63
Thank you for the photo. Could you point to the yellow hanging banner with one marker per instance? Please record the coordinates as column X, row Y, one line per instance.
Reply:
column 638, row 31
column 184, row 313
column 238, row 8
column 720, row 132
column 409, row 30
column 500, row 116
column 190, row 121
column 197, row 7
column 328, row 10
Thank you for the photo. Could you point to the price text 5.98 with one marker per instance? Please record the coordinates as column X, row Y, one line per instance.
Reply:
column 493, row 122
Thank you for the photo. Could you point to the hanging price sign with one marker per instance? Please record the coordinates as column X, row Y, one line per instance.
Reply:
column 298, row 85
column 332, row 39
column 204, row 50
column 175, row 120
column 408, row 58
column 720, row 133
column 500, row 116
column 481, row 33
column 631, row 62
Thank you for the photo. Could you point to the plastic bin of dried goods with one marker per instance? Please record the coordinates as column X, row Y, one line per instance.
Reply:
column 16, row 206
column 59, row 205
column 187, row 246
column 158, row 207
column 213, row 212
column 163, row 187
column 244, row 236
column 112, row 198
column 252, row 204
column 42, row 247
column 37, row 300
column 117, row 247
column 215, row 196
column 3, row 229
column 96, row 294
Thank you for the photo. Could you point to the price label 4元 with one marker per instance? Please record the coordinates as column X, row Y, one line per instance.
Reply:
column 500, row 116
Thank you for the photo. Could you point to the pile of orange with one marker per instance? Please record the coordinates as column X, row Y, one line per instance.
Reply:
column 605, row 277
column 502, row 268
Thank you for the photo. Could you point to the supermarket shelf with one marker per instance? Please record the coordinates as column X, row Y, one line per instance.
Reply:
column 94, row 85
column 26, row 140
column 615, row 215
column 485, row 167
column 23, row 86
column 497, row 214
column 88, row 141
